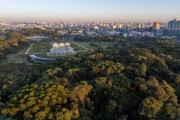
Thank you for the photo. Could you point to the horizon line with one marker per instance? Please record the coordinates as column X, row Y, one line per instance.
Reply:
column 82, row 22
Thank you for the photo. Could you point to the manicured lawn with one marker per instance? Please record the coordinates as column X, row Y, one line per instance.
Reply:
column 40, row 47
column 76, row 46
column 103, row 45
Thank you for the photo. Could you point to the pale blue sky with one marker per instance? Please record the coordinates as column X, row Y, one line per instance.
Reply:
column 90, row 10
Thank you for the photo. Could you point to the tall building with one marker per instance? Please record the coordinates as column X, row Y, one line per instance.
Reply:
column 174, row 25
column 157, row 25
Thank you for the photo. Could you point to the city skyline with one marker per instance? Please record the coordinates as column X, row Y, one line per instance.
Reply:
column 89, row 11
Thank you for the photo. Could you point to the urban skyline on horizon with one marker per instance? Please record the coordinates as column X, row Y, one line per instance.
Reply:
column 86, row 22
column 89, row 11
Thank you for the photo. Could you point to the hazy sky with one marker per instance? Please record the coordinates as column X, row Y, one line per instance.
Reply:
column 90, row 10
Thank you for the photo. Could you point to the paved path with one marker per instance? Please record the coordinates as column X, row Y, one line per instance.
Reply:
column 27, row 52
column 80, row 45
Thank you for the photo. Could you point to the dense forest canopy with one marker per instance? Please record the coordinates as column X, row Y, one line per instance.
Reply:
column 139, row 81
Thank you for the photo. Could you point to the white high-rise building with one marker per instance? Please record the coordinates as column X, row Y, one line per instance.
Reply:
column 174, row 25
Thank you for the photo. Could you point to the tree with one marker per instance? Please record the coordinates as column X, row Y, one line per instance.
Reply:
column 80, row 92
column 142, row 69
column 107, row 68
column 149, row 108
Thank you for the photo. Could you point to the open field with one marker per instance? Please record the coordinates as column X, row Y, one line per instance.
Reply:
column 41, row 47
column 77, row 46
column 102, row 45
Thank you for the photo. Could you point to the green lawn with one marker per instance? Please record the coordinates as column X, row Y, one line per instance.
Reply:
column 103, row 45
column 40, row 47
column 76, row 46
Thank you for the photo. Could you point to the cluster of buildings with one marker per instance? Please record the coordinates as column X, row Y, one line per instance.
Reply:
column 171, row 30
column 138, row 34
column 94, row 29
column 61, row 49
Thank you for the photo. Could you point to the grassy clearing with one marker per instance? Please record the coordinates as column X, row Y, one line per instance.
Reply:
column 102, row 45
column 76, row 46
column 41, row 47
